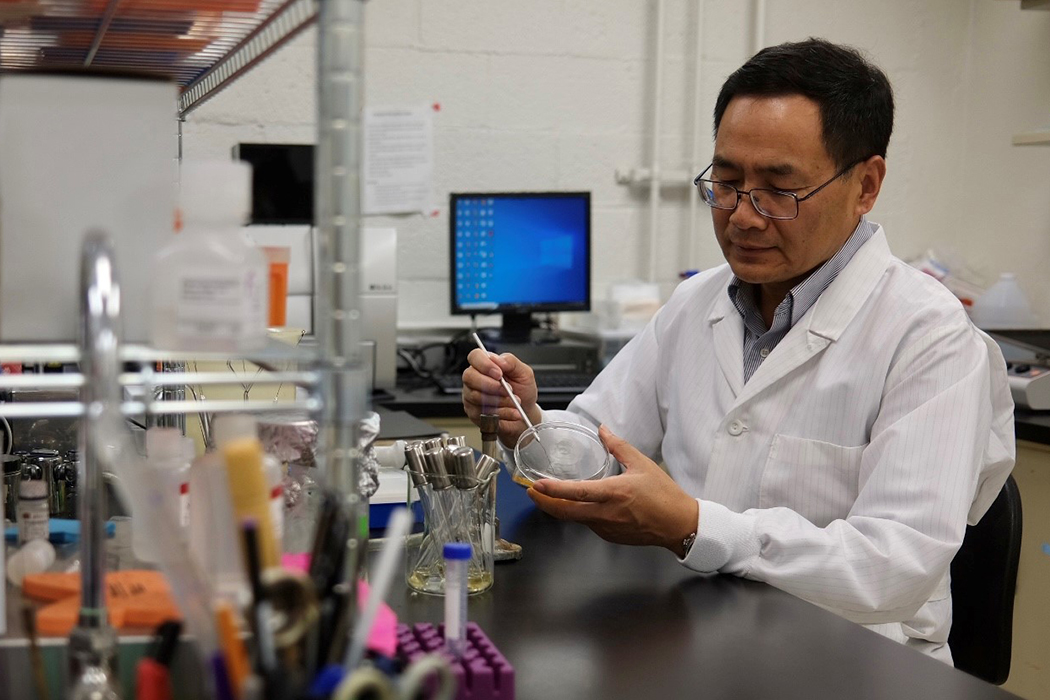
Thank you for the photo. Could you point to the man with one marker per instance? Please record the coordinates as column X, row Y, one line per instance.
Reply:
column 829, row 418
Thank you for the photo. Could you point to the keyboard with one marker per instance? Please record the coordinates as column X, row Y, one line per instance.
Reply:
column 546, row 382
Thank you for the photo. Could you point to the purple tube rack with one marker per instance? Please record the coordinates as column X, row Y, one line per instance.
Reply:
column 483, row 673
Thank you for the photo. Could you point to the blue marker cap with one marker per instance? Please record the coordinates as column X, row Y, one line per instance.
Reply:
column 457, row 550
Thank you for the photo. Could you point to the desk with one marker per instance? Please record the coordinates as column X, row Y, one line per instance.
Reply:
column 581, row 618
column 426, row 402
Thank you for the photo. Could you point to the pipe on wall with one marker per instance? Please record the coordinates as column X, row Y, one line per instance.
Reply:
column 654, row 167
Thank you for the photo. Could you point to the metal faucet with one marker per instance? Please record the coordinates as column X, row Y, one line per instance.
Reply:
column 92, row 644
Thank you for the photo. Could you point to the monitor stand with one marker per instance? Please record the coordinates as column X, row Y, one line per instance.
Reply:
column 517, row 327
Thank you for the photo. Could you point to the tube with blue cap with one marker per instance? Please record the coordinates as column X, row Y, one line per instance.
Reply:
column 457, row 557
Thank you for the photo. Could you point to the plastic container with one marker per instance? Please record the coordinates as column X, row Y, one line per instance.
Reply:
column 560, row 450
column 166, row 455
column 33, row 512
column 34, row 557
column 277, row 260
column 457, row 558
column 213, row 533
column 275, row 483
column 1003, row 306
column 211, row 282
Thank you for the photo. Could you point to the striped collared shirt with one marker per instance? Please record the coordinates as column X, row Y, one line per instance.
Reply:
column 759, row 340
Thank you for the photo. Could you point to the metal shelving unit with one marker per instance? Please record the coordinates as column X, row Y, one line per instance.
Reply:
column 204, row 45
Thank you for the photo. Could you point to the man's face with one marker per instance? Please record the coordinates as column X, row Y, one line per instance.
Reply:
column 775, row 142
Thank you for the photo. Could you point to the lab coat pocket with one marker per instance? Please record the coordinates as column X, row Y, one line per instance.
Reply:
column 819, row 480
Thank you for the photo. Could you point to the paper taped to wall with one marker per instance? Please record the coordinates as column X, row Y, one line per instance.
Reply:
column 398, row 160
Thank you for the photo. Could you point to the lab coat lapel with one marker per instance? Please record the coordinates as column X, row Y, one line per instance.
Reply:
column 826, row 320
column 728, row 332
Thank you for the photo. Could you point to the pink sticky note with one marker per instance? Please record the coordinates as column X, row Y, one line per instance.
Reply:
column 299, row 562
column 383, row 637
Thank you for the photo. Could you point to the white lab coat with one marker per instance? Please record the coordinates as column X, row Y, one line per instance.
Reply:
column 845, row 470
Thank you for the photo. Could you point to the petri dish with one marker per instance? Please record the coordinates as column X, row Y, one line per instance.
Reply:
column 561, row 450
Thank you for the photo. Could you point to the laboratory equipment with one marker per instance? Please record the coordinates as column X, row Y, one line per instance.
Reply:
column 457, row 556
column 484, row 674
column 461, row 512
column 32, row 511
column 560, row 450
column 519, row 253
column 211, row 285
column 489, row 464
column 1027, row 352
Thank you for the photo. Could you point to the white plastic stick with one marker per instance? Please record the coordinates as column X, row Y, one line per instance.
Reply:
column 396, row 531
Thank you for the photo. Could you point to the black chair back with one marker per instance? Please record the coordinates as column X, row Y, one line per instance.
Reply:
column 984, row 576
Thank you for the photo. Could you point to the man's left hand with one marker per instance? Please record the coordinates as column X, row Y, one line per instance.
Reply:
column 642, row 506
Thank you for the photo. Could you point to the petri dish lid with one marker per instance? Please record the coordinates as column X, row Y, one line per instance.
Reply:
column 561, row 450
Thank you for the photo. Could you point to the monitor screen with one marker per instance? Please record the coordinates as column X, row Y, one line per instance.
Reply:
column 521, row 252
column 282, row 182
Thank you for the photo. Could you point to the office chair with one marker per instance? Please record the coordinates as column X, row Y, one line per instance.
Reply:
column 984, row 576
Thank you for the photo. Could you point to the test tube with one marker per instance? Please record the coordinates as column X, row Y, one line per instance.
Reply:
column 457, row 556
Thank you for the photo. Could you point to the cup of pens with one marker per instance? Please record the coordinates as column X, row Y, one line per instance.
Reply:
column 458, row 497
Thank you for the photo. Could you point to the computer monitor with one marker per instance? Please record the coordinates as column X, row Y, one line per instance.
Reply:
column 518, row 253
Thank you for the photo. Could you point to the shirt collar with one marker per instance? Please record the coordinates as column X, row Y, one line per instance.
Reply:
column 803, row 295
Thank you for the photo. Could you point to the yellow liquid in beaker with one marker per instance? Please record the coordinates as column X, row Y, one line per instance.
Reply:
column 426, row 582
column 521, row 480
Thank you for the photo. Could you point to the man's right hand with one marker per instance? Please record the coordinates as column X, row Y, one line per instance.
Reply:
column 483, row 393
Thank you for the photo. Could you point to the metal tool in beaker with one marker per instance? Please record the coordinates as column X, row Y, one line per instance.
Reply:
column 489, row 424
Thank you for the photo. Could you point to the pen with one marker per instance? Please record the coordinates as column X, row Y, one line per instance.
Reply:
column 152, row 679
column 261, row 609
column 232, row 648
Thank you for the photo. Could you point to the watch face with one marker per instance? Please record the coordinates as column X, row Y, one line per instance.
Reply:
column 687, row 543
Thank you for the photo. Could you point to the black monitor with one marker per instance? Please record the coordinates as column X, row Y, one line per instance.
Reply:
column 282, row 182
column 518, row 253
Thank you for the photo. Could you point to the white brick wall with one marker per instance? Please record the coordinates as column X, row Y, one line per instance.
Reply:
column 556, row 94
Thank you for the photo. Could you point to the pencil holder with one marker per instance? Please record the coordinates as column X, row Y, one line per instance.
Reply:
column 455, row 509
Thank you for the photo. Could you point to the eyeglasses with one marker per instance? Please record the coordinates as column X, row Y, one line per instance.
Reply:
column 772, row 204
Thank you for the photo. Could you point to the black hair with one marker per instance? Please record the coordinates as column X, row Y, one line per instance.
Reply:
column 854, row 95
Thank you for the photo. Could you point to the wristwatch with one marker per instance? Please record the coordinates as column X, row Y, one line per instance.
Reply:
column 687, row 544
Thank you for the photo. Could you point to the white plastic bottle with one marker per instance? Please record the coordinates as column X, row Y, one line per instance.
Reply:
column 275, row 481
column 32, row 511
column 1003, row 306
column 211, row 289
column 166, row 452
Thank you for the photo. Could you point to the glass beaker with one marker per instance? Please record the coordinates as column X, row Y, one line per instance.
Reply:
column 464, row 512
column 560, row 450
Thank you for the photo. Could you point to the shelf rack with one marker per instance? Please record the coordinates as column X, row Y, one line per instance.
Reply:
column 204, row 45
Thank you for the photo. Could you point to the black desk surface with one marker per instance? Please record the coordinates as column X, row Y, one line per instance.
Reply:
column 1033, row 426
column 425, row 402
column 581, row 618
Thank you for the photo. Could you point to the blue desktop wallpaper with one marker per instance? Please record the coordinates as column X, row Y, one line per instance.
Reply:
column 521, row 250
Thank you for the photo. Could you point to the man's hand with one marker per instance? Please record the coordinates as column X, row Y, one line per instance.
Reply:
column 641, row 506
column 483, row 393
